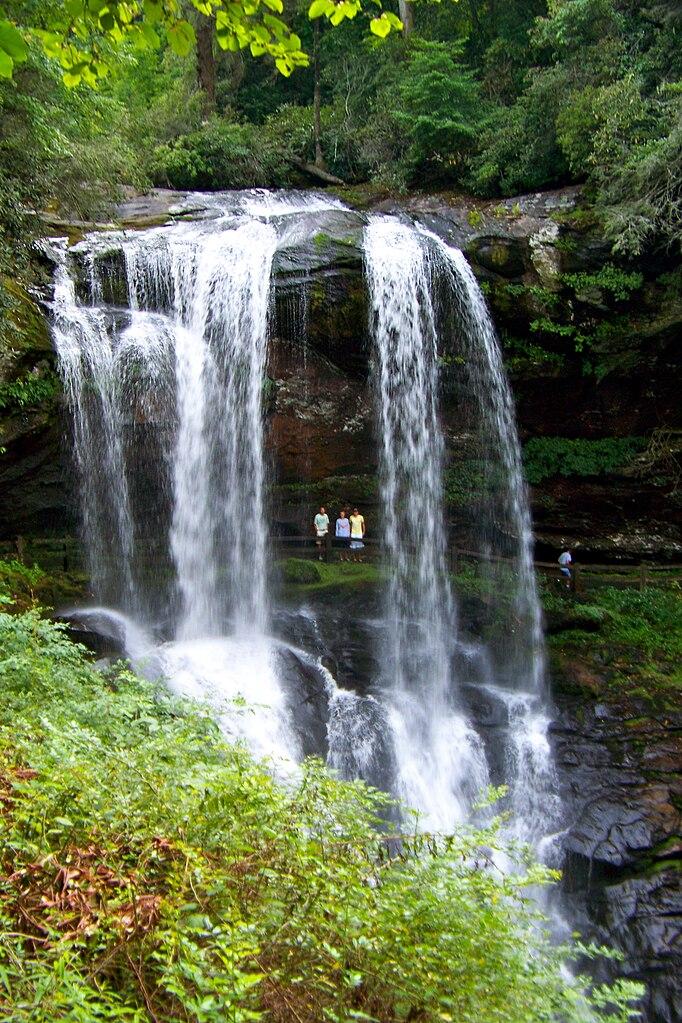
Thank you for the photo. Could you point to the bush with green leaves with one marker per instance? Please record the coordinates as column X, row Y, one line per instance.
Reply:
column 28, row 391
column 438, row 109
column 220, row 154
column 298, row 570
column 151, row 870
column 548, row 457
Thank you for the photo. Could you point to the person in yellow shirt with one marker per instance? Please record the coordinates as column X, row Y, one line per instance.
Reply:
column 357, row 532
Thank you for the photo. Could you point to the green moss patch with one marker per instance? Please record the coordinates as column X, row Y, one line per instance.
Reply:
column 319, row 575
column 628, row 639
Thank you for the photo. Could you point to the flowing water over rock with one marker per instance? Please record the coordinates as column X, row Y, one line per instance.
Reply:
column 163, row 338
column 440, row 759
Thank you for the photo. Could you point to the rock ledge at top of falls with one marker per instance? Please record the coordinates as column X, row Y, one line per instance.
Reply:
column 506, row 237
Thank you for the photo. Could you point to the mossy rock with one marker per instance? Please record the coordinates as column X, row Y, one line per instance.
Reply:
column 25, row 334
column 583, row 617
column 504, row 256
column 296, row 570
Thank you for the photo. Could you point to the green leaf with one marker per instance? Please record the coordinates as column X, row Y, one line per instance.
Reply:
column 148, row 36
column 380, row 26
column 318, row 8
column 6, row 65
column 283, row 67
column 181, row 38
column 12, row 43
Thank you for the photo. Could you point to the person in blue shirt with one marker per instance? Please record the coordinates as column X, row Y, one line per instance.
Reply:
column 565, row 562
column 343, row 532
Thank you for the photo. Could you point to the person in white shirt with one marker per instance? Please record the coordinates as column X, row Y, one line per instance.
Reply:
column 321, row 524
column 565, row 562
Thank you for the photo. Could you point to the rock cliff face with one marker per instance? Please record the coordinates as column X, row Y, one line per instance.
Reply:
column 590, row 347
column 620, row 763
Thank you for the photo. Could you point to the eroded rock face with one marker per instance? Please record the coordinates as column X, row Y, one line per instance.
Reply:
column 621, row 772
column 319, row 405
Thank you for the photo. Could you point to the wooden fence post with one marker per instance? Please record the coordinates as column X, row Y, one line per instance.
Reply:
column 576, row 579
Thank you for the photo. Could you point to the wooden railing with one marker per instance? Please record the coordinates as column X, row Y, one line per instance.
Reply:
column 583, row 574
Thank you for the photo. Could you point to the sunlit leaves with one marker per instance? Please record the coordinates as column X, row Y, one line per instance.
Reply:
column 181, row 38
column 80, row 34
column 318, row 8
column 12, row 48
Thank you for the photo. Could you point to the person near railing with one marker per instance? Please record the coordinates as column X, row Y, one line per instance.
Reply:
column 343, row 534
column 565, row 561
column 321, row 526
column 357, row 532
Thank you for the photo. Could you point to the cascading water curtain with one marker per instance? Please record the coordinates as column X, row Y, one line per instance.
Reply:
column 92, row 385
column 503, row 529
column 190, row 351
column 440, row 762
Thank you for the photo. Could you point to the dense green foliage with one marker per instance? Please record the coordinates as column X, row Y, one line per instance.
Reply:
column 481, row 96
column 633, row 635
column 28, row 390
column 547, row 457
column 498, row 98
column 152, row 871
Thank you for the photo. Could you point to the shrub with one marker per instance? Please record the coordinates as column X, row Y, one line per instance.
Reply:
column 439, row 109
column 219, row 155
column 547, row 457
column 19, row 583
column 28, row 391
column 618, row 283
column 150, row 870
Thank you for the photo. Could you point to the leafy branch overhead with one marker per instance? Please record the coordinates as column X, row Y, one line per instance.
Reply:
column 80, row 33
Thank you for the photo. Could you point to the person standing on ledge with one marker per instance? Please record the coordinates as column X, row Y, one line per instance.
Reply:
column 357, row 531
column 321, row 524
column 343, row 533
column 565, row 562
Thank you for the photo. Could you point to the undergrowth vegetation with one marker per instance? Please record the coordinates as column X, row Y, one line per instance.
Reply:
column 150, row 871
column 635, row 635
column 547, row 457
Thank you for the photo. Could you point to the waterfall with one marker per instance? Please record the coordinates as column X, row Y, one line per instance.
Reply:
column 530, row 770
column 440, row 760
column 93, row 390
column 189, row 349
column 162, row 340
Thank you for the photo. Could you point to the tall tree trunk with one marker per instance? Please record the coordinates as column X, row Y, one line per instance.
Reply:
column 475, row 20
column 317, row 100
column 406, row 10
column 206, row 64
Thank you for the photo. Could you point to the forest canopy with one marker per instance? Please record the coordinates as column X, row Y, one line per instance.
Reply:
column 479, row 96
